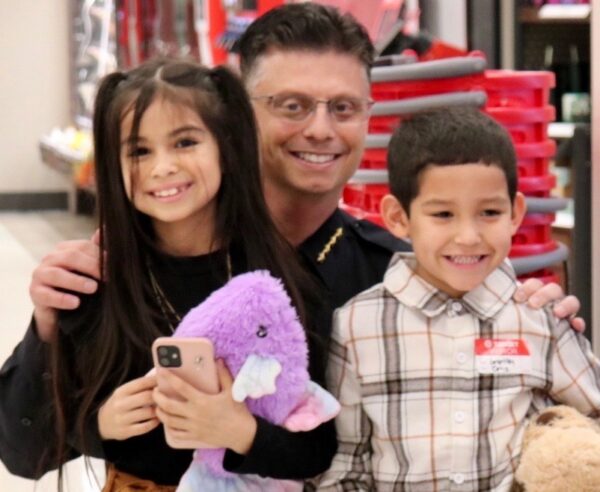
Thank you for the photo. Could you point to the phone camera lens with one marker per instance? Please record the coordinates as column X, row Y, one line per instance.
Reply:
column 162, row 350
column 165, row 362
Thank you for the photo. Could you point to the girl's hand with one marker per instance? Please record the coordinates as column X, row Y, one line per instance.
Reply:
column 129, row 411
column 216, row 420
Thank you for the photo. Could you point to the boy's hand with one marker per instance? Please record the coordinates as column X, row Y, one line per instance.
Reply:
column 536, row 294
column 129, row 411
column 216, row 420
column 60, row 270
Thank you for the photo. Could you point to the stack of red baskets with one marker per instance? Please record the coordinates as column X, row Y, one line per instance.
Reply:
column 518, row 100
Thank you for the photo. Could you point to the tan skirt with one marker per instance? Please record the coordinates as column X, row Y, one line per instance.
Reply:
column 118, row 481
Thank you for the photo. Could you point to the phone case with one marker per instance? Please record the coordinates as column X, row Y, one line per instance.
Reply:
column 197, row 367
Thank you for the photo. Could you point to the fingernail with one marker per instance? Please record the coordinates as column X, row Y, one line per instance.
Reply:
column 519, row 296
column 72, row 302
column 89, row 286
column 534, row 302
column 560, row 312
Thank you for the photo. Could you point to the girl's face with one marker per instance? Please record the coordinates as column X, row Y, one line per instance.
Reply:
column 172, row 174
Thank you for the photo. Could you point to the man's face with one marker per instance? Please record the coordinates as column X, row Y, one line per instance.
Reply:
column 315, row 155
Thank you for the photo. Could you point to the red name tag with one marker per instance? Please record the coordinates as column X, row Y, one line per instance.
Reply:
column 502, row 356
column 500, row 346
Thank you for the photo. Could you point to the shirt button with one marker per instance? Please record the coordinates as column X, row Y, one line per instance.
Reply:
column 459, row 417
column 457, row 307
column 46, row 375
column 458, row 478
column 461, row 357
column 25, row 421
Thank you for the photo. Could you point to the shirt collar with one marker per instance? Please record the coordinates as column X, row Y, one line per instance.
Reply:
column 484, row 301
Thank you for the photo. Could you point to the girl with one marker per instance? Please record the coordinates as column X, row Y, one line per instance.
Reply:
column 181, row 210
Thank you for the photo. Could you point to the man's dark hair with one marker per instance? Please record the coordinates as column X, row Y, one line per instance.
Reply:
column 304, row 26
column 444, row 137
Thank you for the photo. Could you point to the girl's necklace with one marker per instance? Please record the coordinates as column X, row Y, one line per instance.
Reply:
column 168, row 311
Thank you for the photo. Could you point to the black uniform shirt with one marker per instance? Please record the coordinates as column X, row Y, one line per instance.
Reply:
column 346, row 256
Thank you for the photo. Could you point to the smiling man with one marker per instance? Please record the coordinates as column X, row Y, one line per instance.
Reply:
column 306, row 68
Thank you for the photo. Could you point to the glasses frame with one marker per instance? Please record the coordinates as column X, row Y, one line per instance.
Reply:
column 363, row 116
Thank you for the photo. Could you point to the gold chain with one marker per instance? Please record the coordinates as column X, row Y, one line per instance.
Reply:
column 327, row 248
column 170, row 314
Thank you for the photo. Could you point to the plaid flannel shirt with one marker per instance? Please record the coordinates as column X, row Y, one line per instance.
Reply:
column 416, row 413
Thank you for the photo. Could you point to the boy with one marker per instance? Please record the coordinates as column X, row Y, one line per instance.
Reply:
column 437, row 369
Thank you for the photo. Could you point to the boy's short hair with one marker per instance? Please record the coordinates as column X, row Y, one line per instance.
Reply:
column 304, row 26
column 448, row 136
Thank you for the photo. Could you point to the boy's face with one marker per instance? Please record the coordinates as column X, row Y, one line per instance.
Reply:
column 460, row 224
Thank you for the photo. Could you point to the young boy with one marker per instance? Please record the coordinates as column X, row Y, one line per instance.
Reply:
column 437, row 369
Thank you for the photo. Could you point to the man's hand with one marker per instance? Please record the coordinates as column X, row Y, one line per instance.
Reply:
column 537, row 294
column 68, row 267
column 129, row 411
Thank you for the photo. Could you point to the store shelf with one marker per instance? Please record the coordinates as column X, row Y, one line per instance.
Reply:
column 560, row 130
column 556, row 14
column 61, row 159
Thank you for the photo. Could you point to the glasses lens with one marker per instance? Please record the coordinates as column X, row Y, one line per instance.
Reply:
column 292, row 106
column 348, row 108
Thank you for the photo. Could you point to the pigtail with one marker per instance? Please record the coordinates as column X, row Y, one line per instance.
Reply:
column 105, row 134
column 61, row 363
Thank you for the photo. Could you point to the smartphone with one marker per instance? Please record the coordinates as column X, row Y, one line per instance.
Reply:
column 192, row 359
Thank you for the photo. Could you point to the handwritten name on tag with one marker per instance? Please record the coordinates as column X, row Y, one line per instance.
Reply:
column 502, row 356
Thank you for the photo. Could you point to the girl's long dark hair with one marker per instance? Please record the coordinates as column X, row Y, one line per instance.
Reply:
column 118, row 342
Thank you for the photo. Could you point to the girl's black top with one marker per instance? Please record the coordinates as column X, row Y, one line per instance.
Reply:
column 27, row 434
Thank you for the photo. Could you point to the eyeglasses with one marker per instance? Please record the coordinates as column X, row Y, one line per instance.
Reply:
column 298, row 107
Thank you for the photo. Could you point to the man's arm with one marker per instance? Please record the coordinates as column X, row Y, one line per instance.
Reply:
column 537, row 294
column 72, row 268
column 575, row 369
column 27, row 428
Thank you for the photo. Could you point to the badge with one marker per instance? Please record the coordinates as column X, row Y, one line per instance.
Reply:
column 502, row 356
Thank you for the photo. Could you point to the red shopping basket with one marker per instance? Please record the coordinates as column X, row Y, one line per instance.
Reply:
column 520, row 89
column 365, row 196
column 537, row 186
column 533, row 159
column 534, row 236
column 525, row 125
column 374, row 159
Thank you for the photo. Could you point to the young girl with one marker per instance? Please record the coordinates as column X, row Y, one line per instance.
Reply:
column 181, row 210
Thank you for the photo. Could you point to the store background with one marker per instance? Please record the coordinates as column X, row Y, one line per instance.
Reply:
column 35, row 97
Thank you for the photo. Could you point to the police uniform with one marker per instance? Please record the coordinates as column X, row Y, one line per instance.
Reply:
column 346, row 256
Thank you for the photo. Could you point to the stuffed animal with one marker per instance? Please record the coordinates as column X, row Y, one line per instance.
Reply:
column 561, row 453
column 255, row 329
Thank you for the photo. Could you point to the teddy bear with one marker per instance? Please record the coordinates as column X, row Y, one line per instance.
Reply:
column 255, row 330
column 561, row 453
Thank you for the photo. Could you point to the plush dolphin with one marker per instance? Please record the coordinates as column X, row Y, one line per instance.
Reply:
column 255, row 329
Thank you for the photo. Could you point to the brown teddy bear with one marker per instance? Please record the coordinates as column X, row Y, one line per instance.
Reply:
column 561, row 453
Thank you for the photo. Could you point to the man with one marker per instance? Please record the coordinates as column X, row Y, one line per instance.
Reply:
column 306, row 68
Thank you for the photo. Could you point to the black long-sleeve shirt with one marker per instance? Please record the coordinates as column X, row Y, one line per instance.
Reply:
column 354, row 261
column 26, row 426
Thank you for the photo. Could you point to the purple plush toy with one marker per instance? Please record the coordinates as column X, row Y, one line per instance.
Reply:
column 255, row 329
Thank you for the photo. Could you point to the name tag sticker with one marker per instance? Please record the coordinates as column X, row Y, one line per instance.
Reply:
column 502, row 356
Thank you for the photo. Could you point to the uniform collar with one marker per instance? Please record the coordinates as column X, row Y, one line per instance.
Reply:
column 314, row 245
column 411, row 290
column 325, row 243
